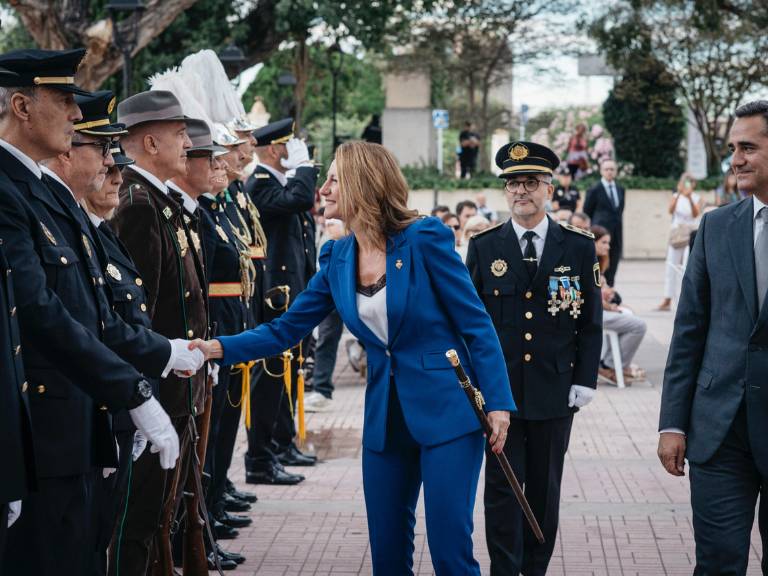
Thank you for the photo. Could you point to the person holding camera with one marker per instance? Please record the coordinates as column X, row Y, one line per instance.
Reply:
column 685, row 207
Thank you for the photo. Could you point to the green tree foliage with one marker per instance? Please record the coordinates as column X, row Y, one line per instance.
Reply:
column 646, row 122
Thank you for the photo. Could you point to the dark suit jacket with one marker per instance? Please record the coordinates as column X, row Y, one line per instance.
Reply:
column 719, row 351
column 563, row 350
column 290, row 240
column 151, row 225
column 76, row 349
column 16, row 448
column 601, row 210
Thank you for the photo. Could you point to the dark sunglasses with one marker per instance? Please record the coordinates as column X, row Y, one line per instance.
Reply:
column 105, row 145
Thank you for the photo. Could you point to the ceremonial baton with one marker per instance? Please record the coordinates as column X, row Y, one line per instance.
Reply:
column 476, row 400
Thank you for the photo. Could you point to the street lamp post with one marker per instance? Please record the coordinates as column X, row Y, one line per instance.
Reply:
column 126, row 37
column 335, row 59
column 233, row 59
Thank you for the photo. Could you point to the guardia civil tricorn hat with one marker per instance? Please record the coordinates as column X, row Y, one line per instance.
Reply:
column 47, row 68
column 521, row 157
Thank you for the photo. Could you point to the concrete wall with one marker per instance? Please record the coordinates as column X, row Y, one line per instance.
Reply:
column 409, row 134
column 646, row 221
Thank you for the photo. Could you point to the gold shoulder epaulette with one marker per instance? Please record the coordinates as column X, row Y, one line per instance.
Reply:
column 487, row 230
column 581, row 231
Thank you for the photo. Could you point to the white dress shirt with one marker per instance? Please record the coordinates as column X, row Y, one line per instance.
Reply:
column 48, row 172
column 372, row 311
column 538, row 241
column 21, row 157
column 154, row 180
column 190, row 204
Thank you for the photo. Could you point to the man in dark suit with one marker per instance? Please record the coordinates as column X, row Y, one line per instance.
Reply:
column 714, row 404
column 539, row 283
column 60, row 289
column 283, row 204
column 604, row 204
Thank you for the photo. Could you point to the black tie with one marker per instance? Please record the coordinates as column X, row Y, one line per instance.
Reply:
column 529, row 256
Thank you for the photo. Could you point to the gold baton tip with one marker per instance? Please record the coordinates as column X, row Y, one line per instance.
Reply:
column 453, row 358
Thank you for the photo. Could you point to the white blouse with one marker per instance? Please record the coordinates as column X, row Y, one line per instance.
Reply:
column 372, row 311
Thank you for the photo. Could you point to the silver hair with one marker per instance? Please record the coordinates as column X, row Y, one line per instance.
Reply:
column 6, row 93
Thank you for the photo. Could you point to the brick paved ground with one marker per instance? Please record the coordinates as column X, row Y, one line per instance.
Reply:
column 621, row 513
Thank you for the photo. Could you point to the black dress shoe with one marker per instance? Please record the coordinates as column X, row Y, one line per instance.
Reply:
column 273, row 476
column 234, row 556
column 240, row 494
column 225, row 563
column 232, row 504
column 292, row 456
column 223, row 532
column 234, row 520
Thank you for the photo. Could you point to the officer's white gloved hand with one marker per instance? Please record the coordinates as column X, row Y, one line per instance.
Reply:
column 14, row 511
column 139, row 445
column 580, row 396
column 154, row 424
column 215, row 373
column 183, row 361
column 298, row 154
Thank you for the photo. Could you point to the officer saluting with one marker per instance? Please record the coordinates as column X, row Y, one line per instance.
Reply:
column 539, row 282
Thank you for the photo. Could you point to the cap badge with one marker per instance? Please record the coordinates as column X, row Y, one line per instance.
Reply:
column 111, row 105
column 499, row 268
column 113, row 271
column 518, row 152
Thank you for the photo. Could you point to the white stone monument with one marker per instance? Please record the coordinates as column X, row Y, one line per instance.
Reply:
column 406, row 123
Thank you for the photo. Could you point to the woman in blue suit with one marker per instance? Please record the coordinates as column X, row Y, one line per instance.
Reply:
column 402, row 290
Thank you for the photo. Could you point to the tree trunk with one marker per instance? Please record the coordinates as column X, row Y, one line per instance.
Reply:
column 301, row 73
column 61, row 25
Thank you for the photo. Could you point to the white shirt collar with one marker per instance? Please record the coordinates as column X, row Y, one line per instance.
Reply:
column 282, row 178
column 190, row 204
column 95, row 219
column 30, row 164
column 52, row 174
column 154, row 180
column 757, row 205
column 606, row 184
column 540, row 229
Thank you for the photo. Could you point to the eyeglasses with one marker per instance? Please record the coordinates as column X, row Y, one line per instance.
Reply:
column 105, row 145
column 530, row 185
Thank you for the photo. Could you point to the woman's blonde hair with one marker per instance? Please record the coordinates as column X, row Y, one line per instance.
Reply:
column 373, row 193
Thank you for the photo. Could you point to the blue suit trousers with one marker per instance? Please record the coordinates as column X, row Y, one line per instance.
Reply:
column 391, row 482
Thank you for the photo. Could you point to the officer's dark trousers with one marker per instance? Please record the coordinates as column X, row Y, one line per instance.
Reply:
column 536, row 450
column 221, row 443
column 52, row 535
column 267, row 395
column 615, row 257
column 109, row 496
column 724, row 492
column 285, row 425
column 391, row 482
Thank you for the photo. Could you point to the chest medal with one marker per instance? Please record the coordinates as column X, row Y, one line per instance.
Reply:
column 181, row 236
column 499, row 268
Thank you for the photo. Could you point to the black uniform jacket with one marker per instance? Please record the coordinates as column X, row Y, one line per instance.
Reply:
column 222, row 251
column 128, row 298
column 290, row 235
column 151, row 225
column 16, row 448
column 76, row 349
column 545, row 354
column 602, row 211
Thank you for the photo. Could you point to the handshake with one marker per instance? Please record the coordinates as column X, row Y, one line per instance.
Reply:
column 183, row 361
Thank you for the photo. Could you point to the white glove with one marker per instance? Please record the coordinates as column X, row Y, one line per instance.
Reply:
column 215, row 373
column 183, row 359
column 580, row 396
column 154, row 424
column 139, row 445
column 14, row 511
column 107, row 472
column 298, row 154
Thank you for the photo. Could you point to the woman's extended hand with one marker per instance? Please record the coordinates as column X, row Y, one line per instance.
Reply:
column 499, row 421
column 210, row 348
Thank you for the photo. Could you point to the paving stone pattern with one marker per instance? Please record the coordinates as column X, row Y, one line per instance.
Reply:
column 621, row 513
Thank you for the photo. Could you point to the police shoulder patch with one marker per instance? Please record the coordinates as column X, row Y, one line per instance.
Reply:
column 572, row 228
column 478, row 234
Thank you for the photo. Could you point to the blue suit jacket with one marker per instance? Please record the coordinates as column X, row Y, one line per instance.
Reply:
column 432, row 306
column 719, row 351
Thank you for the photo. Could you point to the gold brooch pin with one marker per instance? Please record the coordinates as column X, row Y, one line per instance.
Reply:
column 499, row 268
column 562, row 269
column 398, row 264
